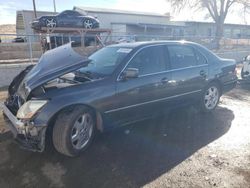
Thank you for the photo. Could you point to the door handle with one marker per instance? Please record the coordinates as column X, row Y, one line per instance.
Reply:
column 203, row 73
column 164, row 80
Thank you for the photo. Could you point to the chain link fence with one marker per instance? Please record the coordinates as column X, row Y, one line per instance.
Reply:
column 29, row 48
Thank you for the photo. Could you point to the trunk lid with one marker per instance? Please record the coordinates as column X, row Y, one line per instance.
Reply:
column 228, row 65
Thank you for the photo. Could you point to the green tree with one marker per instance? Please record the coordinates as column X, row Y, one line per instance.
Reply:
column 217, row 10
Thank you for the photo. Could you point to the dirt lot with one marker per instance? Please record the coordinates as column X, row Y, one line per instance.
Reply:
column 8, row 29
column 181, row 149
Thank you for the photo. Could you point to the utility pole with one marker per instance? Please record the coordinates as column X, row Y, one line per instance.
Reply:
column 34, row 7
column 54, row 1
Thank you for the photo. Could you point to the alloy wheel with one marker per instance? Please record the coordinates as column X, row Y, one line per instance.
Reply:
column 51, row 23
column 82, row 131
column 211, row 97
column 88, row 24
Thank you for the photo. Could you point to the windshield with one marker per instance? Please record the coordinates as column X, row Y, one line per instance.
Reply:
column 105, row 61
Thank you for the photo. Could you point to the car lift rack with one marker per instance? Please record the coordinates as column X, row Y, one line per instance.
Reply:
column 83, row 32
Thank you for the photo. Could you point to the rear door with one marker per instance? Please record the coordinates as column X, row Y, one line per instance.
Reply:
column 141, row 97
column 189, row 71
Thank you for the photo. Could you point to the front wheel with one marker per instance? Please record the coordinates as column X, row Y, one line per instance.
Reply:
column 50, row 23
column 88, row 24
column 210, row 97
column 73, row 131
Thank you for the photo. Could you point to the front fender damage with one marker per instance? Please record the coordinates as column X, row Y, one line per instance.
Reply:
column 32, row 138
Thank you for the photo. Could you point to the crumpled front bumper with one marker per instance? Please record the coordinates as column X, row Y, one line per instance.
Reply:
column 27, row 136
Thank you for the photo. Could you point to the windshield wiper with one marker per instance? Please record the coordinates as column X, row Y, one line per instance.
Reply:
column 86, row 75
column 69, row 80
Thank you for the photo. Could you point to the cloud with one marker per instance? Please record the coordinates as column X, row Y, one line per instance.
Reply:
column 6, row 13
column 8, row 10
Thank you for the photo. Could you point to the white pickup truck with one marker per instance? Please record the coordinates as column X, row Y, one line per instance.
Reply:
column 245, row 71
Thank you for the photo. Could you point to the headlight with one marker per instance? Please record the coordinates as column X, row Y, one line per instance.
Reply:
column 30, row 108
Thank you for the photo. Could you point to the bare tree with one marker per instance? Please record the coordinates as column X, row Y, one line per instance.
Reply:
column 217, row 10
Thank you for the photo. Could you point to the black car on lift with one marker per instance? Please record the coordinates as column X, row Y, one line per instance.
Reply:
column 72, row 97
column 67, row 18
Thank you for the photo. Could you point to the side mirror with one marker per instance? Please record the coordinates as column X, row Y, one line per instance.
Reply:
column 129, row 73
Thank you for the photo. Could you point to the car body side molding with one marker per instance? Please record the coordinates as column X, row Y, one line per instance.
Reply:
column 148, row 102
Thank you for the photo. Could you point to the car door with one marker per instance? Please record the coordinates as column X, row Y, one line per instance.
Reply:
column 140, row 97
column 189, row 72
column 66, row 19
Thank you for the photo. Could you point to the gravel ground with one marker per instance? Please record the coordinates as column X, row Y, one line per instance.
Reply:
column 182, row 149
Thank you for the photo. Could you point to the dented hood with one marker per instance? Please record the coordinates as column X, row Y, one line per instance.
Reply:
column 54, row 64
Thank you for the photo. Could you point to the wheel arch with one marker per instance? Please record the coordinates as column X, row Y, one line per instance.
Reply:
column 98, row 115
column 218, row 82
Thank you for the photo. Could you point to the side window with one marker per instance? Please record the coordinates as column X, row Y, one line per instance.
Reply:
column 67, row 14
column 200, row 59
column 149, row 60
column 63, row 14
column 74, row 13
column 70, row 14
column 181, row 56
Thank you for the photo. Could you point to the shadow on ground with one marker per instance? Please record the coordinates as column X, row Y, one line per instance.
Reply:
column 241, row 91
column 116, row 159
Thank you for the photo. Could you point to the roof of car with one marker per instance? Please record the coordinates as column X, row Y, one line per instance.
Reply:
column 141, row 44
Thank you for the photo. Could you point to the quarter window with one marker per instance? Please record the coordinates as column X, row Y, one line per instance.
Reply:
column 200, row 59
column 149, row 60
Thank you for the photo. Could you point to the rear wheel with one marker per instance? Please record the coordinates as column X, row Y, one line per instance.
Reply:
column 210, row 97
column 74, row 131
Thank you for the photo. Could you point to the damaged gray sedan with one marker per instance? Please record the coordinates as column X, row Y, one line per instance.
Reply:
column 69, row 97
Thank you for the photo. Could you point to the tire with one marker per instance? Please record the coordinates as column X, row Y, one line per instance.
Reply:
column 88, row 24
column 210, row 97
column 74, row 131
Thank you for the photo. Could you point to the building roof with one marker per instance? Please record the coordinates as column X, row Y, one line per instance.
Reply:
column 151, row 25
column 199, row 22
column 117, row 11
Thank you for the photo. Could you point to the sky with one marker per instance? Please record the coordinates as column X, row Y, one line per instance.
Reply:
column 8, row 8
